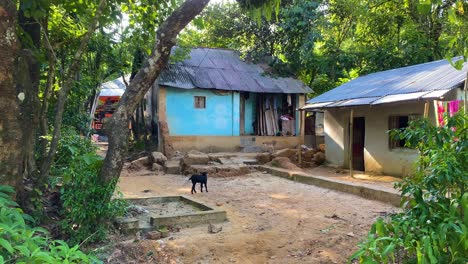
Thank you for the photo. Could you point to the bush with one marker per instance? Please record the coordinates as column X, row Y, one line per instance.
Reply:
column 88, row 207
column 71, row 146
column 433, row 228
column 20, row 243
column 87, row 201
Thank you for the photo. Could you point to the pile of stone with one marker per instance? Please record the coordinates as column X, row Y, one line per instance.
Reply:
column 310, row 157
column 216, row 165
column 155, row 162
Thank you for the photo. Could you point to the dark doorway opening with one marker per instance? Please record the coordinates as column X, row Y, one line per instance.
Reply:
column 358, row 143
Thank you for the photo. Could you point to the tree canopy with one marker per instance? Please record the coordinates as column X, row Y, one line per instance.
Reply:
column 326, row 43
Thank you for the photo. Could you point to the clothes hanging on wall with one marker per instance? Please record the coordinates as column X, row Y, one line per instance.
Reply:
column 449, row 108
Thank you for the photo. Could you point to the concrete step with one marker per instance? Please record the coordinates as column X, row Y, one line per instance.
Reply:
column 368, row 191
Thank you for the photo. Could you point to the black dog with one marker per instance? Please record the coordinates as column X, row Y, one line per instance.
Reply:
column 199, row 178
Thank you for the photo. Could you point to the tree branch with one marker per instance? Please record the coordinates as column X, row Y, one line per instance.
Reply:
column 118, row 126
column 63, row 93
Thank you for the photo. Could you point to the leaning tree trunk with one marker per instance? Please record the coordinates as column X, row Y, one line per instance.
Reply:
column 11, row 165
column 118, row 126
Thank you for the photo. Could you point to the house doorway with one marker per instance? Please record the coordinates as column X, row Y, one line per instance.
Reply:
column 309, row 131
column 358, row 143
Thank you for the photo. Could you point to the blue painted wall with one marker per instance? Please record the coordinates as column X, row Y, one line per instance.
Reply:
column 236, row 114
column 219, row 118
column 250, row 113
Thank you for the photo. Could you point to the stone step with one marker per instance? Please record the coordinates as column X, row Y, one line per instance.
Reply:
column 221, row 170
column 173, row 167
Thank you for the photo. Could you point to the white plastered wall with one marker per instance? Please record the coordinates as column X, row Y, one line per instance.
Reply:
column 378, row 157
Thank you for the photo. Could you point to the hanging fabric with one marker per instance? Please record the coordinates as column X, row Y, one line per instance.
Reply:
column 454, row 106
column 440, row 112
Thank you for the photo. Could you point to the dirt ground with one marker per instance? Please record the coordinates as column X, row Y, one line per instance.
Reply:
column 271, row 220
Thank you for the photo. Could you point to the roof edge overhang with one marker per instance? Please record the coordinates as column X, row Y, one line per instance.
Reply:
column 382, row 100
column 227, row 89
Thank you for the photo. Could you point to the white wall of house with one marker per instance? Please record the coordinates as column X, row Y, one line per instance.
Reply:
column 378, row 157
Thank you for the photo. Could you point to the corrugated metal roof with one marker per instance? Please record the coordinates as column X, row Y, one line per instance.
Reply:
column 223, row 69
column 358, row 101
column 398, row 98
column 113, row 88
column 436, row 94
column 422, row 81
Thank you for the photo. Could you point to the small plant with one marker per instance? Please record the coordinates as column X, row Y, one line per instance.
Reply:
column 20, row 243
column 433, row 228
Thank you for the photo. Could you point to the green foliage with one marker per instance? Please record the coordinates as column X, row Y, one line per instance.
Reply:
column 88, row 205
column 88, row 202
column 20, row 243
column 458, row 38
column 71, row 146
column 433, row 228
column 260, row 8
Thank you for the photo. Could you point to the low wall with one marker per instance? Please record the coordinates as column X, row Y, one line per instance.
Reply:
column 229, row 143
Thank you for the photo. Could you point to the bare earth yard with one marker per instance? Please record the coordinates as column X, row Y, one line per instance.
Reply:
column 271, row 220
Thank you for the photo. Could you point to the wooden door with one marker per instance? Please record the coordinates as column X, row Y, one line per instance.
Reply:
column 242, row 114
column 358, row 143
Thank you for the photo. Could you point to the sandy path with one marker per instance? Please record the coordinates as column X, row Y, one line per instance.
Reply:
column 271, row 220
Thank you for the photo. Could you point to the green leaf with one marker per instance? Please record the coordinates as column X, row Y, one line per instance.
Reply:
column 44, row 257
column 452, row 16
column 24, row 250
column 6, row 245
column 388, row 250
column 7, row 189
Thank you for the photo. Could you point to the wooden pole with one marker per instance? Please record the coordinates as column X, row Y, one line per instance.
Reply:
column 350, row 150
column 426, row 109
column 465, row 91
column 301, row 136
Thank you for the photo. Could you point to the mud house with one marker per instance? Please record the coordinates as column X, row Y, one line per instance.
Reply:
column 365, row 108
column 214, row 101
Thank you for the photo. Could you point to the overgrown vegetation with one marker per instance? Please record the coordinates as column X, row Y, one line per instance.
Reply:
column 433, row 227
column 71, row 147
column 88, row 206
column 21, row 243
column 87, row 202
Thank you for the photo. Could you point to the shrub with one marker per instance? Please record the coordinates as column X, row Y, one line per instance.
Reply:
column 88, row 207
column 87, row 201
column 20, row 243
column 71, row 146
column 433, row 225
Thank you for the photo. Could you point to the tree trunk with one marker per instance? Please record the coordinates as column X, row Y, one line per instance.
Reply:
column 28, row 77
column 26, row 66
column 63, row 93
column 11, row 165
column 43, row 123
column 143, row 80
column 154, row 121
column 51, row 71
